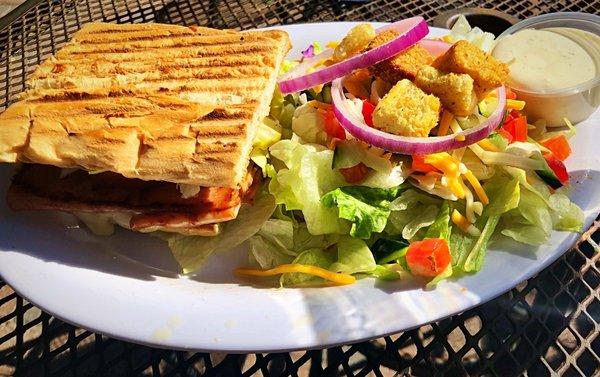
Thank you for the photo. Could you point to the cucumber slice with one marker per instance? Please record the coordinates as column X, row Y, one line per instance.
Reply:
column 487, row 106
column 350, row 153
column 498, row 141
column 548, row 176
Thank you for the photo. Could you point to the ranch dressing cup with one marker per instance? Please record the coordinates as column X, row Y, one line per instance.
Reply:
column 554, row 63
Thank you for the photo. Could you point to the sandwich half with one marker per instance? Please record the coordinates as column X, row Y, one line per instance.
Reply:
column 147, row 125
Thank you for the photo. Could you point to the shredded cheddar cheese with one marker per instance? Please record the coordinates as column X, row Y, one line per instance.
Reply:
column 451, row 169
column 334, row 277
column 464, row 224
column 488, row 145
column 477, row 187
column 332, row 44
column 513, row 104
column 445, row 123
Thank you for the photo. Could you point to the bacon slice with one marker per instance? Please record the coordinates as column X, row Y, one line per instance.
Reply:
column 151, row 205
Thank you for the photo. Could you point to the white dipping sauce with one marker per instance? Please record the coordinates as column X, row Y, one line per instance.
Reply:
column 545, row 61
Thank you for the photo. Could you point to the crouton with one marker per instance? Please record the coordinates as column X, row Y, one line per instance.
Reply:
column 407, row 111
column 356, row 40
column 463, row 57
column 455, row 90
column 402, row 66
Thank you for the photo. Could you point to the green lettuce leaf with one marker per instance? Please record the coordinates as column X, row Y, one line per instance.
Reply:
column 313, row 257
column 460, row 246
column 305, row 177
column 282, row 238
column 408, row 208
column 443, row 275
column 278, row 231
column 534, row 210
column 504, row 193
column 420, row 220
column 474, row 260
column 386, row 272
column 303, row 240
column 353, row 257
column 191, row 251
column 539, row 211
column 309, row 123
column 525, row 233
column 441, row 226
column 268, row 254
column 366, row 207
column 565, row 214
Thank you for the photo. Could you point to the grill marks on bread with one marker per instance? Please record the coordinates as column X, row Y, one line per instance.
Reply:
column 134, row 135
column 148, row 101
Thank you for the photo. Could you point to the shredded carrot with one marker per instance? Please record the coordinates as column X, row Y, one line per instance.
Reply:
column 447, row 117
column 334, row 277
column 477, row 187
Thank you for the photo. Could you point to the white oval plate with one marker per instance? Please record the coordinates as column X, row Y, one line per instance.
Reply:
column 125, row 286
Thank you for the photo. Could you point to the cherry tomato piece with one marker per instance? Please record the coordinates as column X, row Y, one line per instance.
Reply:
column 429, row 257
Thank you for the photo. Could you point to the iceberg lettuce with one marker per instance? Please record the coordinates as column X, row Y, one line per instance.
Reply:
column 313, row 257
column 366, row 207
column 306, row 176
column 191, row 251
column 412, row 207
column 353, row 257
column 309, row 123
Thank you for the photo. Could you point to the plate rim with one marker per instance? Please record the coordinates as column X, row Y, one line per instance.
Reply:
column 570, row 239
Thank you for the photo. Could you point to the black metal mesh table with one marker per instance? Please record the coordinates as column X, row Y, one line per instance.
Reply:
column 548, row 325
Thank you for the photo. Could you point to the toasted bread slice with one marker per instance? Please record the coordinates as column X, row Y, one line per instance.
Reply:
column 148, row 101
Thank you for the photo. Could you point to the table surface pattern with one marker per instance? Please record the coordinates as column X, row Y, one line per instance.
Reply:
column 546, row 326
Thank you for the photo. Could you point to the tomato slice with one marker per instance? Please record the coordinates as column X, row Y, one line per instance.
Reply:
column 517, row 127
column 559, row 146
column 520, row 129
column 367, row 112
column 419, row 164
column 355, row 174
column 557, row 166
column 505, row 134
column 510, row 94
column 333, row 126
column 429, row 257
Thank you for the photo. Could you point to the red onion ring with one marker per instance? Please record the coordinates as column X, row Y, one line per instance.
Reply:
column 355, row 125
column 411, row 31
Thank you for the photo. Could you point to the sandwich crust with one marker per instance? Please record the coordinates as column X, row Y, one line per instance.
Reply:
column 148, row 101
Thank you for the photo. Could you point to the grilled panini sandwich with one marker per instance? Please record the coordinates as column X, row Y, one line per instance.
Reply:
column 149, row 125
